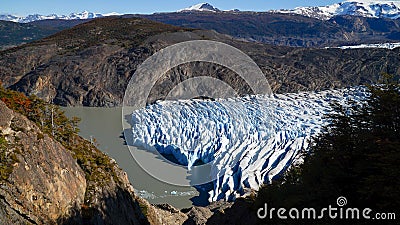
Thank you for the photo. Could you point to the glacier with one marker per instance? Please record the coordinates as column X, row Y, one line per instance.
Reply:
column 248, row 141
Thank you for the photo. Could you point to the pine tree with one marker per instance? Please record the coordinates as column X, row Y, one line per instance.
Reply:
column 356, row 156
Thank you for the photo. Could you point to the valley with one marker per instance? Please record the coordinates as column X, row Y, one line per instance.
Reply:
column 75, row 149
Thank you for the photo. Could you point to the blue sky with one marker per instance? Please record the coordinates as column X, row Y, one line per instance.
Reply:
column 25, row 7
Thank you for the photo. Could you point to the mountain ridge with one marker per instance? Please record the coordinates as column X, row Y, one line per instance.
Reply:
column 200, row 7
column 84, row 15
column 369, row 8
column 91, row 63
column 372, row 9
column 288, row 29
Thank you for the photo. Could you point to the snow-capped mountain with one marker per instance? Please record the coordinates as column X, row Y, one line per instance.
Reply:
column 72, row 16
column 365, row 8
column 248, row 141
column 204, row 7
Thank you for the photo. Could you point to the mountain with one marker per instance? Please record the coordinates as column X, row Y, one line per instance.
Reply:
column 91, row 63
column 269, row 28
column 289, row 29
column 13, row 34
column 368, row 8
column 284, row 28
column 202, row 7
column 364, row 8
column 35, row 17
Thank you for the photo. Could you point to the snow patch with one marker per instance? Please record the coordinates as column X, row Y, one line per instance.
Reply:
column 203, row 7
column 381, row 45
column 73, row 16
column 365, row 8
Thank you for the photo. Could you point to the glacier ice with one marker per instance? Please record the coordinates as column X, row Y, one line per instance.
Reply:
column 248, row 140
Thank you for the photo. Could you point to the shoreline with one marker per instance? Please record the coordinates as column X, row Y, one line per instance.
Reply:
column 107, row 135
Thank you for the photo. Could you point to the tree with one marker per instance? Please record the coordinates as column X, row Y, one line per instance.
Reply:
column 50, row 118
column 356, row 156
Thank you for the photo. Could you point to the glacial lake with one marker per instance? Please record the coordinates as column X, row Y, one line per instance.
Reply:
column 105, row 126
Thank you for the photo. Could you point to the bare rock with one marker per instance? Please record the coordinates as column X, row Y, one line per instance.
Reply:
column 45, row 184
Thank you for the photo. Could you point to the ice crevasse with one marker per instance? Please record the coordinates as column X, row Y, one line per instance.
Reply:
column 248, row 141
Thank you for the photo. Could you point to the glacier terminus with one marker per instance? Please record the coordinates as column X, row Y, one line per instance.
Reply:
column 247, row 141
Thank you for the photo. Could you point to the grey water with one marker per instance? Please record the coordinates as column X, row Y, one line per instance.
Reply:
column 104, row 125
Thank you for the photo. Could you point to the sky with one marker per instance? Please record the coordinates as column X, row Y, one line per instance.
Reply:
column 63, row 7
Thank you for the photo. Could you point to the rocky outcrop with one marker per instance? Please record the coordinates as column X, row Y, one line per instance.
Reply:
column 45, row 183
column 165, row 214
column 239, row 212
column 110, row 199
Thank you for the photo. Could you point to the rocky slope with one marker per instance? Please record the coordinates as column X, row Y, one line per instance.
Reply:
column 43, row 182
column 91, row 63
column 239, row 212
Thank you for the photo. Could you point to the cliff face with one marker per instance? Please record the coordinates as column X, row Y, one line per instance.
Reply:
column 109, row 197
column 44, row 183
